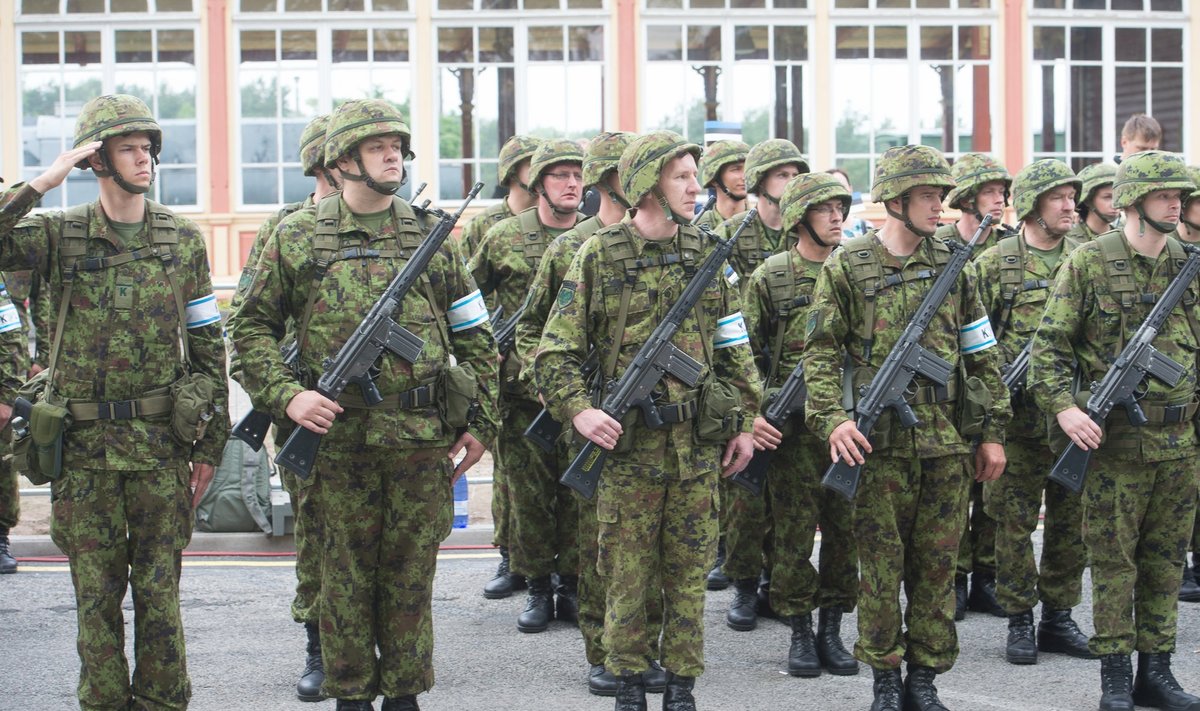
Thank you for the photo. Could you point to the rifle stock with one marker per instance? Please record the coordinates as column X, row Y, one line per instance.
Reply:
column 781, row 407
column 252, row 428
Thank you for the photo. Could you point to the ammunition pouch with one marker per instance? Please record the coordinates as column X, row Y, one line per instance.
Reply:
column 457, row 395
column 720, row 415
column 25, row 456
column 47, row 424
column 193, row 399
column 974, row 404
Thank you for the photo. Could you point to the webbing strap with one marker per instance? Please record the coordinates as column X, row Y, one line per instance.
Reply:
column 147, row 406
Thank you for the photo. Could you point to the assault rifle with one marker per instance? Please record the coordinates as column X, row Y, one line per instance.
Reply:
column 420, row 189
column 781, row 406
column 1016, row 371
column 1122, row 383
column 356, row 361
column 903, row 364
column 544, row 430
column 708, row 205
column 505, row 331
column 657, row 357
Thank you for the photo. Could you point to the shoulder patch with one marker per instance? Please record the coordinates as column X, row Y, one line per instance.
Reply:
column 566, row 293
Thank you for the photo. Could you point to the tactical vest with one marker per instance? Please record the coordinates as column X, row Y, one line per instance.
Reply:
column 750, row 249
column 1013, row 281
column 784, row 287
column 534, row 239
column 1118, row 272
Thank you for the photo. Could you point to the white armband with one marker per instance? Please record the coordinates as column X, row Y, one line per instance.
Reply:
column 731, row 331
column 10, row 320
column 202, row 311
column 976, row 336
column 467, row 312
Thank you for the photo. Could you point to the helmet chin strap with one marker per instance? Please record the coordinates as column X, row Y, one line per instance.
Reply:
column 666, row 208
column 328, row 175
column 813, row 233
column 111, row 172
column 1161, row 227
column 561, row 211
column 903, row 216
column 383, row 187
column 730, row 194
column 618, row 199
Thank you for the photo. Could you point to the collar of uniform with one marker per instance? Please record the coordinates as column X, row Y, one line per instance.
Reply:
column 100, row 229
column 350, row 224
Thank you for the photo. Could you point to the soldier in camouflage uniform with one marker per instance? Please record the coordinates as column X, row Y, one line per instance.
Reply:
column 14, row 369
column 1139, row 498
column 656, row 503
column 1014, row 280
column 544, row 516
column 776, row 307
column 911, row 503
column 305, row 506
column 1189, row 231
column 723, row 168
column 745, row 519
column 382, row 474
column 1096, row 213
column 133, row 277
column 512, row 174
column 982, row 186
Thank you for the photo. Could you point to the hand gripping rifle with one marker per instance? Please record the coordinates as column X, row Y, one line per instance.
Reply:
column 1124, row 378
column 781, row 406
column 378, row 332
column 657, row 358
column 907, row 360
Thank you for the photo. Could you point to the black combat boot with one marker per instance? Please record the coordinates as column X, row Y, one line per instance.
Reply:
column 678, row 695
column 505, row 582
column 1156, row 686
column 1116, row 682
column 1021, row 648
column 566, row 603
column 539, row 606
column 830, row 650
column 8, row 564
column 802, row 654
column 400, row 703
column 743, row 615
column 1189, row 591
column 347, row 705
column 717, row 579
column 601, row 682
column 631, row 693
column 655, row 677
column 960, row 598
column 983, row 595
column 763, row 606
column 919, row 692
column 309, row 686
column 889, row 690
column 1057, row 632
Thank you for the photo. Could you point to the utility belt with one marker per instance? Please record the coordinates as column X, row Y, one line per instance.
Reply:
column 418, row 397
column 1169, row 414
column 155, row 402
column 933, row 394
column 675, row 412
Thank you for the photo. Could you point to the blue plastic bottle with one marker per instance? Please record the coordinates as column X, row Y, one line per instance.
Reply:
column 460, row 502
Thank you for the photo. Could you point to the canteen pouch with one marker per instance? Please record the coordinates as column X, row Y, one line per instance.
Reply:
column 719, row 417
column 193, row 400
column 973, row 407
column 24, row 461
column 457, row 395
column 47, row 423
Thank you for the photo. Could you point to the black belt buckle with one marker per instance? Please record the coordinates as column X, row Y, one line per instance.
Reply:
column 116, row 410
column 1173, row 414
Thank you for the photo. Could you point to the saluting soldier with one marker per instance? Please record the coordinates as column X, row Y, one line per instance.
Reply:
column 1095, row 208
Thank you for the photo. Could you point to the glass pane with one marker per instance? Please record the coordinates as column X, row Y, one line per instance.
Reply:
column 1130, row 44
column 296, row 186
column 1166, row 45
column 974, row 3
column 39, row 7
column 259, row 5
column 960, row 120
column 1128, row 4
column 663, row 43
column 859, row 172
column 853, row 42
column 752, row 89
column 177, row 186
column 260, row 143
column 179, row 142
column 850, row 4
column 1086, row 109
column 258, row 45
column 975, row 42
column 298, row 44
column 301, row 5
column 176, row 96
column 892, row 126
column 586, row 43
column 79, row 87
column 174, row 5
column 1090, row 5
column 738, row 4
column 937, row 43
column 85, row 5
column 259, row 93
column 455, row 4
column 349, row 46
column 260, row 186
column 665, row 105
column 541, row 4
column 799, row 4
column 1167, row 105
column 925, row 4
column 128, row 6
column 545, row 44
column 291, row 140
column 42, row 131
column 751, row 42
column 891, row 42
column 708, row 4
column 457, row 90
column 395, row 85
column 893, row 4
column 1049, row 43
column 1048, row 104
column 391, row 45
column 852, row 107
column 664, row 4
column 82, row 187
column 298, row 93
column 704, row 43
column 176, row 46
column 1085, row 43
column 495, row 44
column 1130, row 92
column 791, row 43
column 134, row 46
column 39, row 48
column 82, row 47
column 585, row 4
column 137, row 83
column 455, row 44
column 346, row 5
column 348, row 83
column 389, row 5
column 1166, row 5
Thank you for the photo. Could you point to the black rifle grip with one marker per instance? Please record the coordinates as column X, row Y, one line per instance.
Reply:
column 252, row 429
column 299, row 452
column 842, row 478
column 1071, row 467
column 754, row 476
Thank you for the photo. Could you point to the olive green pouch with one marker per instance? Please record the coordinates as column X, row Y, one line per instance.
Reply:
column 47, row 423
column 457, row 395
column 719, row 417
column 193, row 400
column 973, row 407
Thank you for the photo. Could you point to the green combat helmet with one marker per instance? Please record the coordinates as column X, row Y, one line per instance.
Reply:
column 718, row 155
column 551, row 153
column 768, row 155
column 902, row 168
column 312, row 150
column 970, row 172
column 1092, row 178
column 1142, row 173
column 354, row 122
column 1194, row 174
column 804, row 191
column 642, row 164
column 1036, row 179
column 516, row 149
column 603, row 154
column 113, row 115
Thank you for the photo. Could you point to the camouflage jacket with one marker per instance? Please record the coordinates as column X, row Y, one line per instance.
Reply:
column 1081, row 233
column 712, row 219
column 776, row 316
column 1016, row 323
column 835, row 324
column 14, row 347
column 473, row 232
column 1082, row 323
column 990, row 240
column 32, row 299
column 585, row 312
column 120, row 337
column 351, row 286
column 755, row 245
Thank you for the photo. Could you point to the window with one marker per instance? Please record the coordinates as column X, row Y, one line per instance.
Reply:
column 752, row 73
column 452, row 5
column 724, row 4
column 900, row 82
column 1090, row 75
column 77, row 7
column 910, row 4
column 70, row 61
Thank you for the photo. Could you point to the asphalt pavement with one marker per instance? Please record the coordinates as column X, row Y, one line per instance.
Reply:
column 244, row 652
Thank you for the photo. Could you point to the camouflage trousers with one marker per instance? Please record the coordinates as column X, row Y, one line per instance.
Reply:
column 543, row 528
column 122, row 529
column 501, row 497
column 1014, row 502
column 1137, row 518
column 655, row 529
column 384, row 513
column 977, row 548
column 593, row 587
column 908, row 517
column 798, row 504
column 10, row 488
column 306, row 533
column 746, row 526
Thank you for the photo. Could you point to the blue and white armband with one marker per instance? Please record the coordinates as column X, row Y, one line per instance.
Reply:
column 731, row 331
column 202, row 311
column 976, row 336
column 468, row 312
